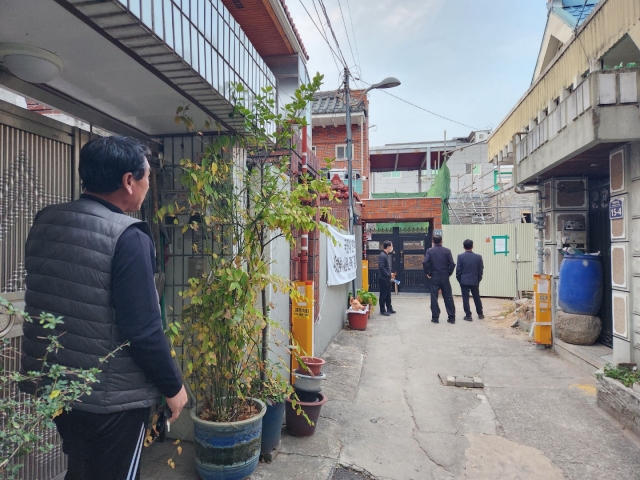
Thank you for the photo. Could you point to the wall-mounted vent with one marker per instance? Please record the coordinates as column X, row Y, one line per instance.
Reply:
column 238, row 3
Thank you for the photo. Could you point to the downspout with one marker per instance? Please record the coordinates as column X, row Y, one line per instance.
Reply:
column 539, row 216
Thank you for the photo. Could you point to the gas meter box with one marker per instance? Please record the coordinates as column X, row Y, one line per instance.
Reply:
column 572, row 232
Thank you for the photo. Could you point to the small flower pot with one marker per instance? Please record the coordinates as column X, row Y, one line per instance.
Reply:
column 315, row 365
column 358, row 319
column 296, row 424
column 307, row 382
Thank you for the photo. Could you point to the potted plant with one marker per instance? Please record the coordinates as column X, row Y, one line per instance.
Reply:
column 367, row 298
column 240, row 204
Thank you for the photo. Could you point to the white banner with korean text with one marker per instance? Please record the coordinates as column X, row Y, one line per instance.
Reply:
column 342, row 262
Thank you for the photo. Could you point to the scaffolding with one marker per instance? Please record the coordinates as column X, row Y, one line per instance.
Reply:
column 472, row 205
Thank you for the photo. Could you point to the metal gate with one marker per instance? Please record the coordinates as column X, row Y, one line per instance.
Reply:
column 600, row 240
column 36, row 159
column 406, row 259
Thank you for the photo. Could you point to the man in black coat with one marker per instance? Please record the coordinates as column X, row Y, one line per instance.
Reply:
column 438, row 266
column 469, row 274
column 384, row 279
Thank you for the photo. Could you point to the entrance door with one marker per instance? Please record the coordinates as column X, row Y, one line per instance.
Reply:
column 406, row 259
column 600, row 240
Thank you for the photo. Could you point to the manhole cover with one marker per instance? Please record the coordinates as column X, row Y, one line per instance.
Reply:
column 342, row 473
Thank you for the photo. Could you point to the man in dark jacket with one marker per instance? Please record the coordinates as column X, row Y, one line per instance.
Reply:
column 469, row 271
column 384, row 279
column 93, row 265
column 438, row 266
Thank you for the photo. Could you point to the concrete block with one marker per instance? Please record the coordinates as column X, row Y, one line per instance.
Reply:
column 477, row 382
column 447, row 380
column 464, row 382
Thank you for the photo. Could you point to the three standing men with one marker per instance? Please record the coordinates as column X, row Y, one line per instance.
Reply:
column 469, row 274
column 438, row 266
column 384, row 279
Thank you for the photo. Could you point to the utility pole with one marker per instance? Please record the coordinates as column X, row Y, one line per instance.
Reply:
column 347, row 104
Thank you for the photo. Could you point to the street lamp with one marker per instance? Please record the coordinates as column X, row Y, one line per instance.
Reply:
column 388, row 82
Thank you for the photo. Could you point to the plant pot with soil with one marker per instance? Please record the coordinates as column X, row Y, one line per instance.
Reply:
column 296, row 423
column 236, row 200
column 358, row 319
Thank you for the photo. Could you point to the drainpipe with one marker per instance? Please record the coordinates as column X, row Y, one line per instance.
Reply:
column 304, row 238
column 538, row 223
column 539, row 216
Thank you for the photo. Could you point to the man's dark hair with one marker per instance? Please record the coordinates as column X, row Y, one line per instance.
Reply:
column 437, row 239
column 105, row 160
column 386, row 244
column 467, row 244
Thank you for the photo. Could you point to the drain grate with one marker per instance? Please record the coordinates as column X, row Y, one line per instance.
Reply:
column 343, row 473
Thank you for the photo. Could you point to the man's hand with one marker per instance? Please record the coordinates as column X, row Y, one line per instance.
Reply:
column 176, row 403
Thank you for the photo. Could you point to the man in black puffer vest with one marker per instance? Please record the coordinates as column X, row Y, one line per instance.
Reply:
column 93, row 265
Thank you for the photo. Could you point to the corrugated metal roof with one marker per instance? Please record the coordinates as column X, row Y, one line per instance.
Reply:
column 333, row 102
column 577, row 10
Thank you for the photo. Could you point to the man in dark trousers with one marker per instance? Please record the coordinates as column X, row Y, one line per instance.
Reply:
column 469, row 274
column 438, row 265
column 384, row 279
column 92, row 265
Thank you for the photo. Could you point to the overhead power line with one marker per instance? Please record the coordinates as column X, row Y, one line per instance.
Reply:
column 426, row 110
column 346, row 31
column 355, row 41
column 333, row 33
column 323, row 35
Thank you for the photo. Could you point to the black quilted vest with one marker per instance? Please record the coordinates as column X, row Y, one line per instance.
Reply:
column 69, row 256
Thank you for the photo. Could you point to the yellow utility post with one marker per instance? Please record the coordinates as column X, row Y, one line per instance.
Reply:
column 365, row 275
column 302, row 320
column 542, row 299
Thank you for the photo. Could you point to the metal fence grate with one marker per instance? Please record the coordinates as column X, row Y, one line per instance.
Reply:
column 36, row 465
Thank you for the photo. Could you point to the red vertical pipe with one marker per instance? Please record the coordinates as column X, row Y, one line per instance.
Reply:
column 304, row 240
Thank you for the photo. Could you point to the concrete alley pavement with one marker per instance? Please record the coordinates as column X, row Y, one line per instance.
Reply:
column 390, row 417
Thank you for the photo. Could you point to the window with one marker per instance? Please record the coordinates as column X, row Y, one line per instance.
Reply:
column 341, row 152
column 474, row 168
column 313, row 149
column 391, row 174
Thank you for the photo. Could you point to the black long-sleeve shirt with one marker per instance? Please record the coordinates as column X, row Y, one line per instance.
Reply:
column 136, row 304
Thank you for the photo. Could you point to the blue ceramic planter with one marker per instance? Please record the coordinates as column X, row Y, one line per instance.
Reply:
column 272, row 427
column 228, row 450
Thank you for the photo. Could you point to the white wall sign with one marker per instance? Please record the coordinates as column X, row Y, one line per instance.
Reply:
column 342, row 263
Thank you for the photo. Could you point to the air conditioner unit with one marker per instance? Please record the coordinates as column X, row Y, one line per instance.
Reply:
column 343, row 174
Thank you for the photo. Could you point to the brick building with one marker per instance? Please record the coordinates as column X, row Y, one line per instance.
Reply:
column 330, row 135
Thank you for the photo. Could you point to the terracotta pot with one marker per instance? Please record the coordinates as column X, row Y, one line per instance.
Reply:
column 358, row 320
column 296, row 424
column 315, row 365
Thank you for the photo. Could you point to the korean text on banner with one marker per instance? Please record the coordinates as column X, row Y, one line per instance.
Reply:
column 342, row 264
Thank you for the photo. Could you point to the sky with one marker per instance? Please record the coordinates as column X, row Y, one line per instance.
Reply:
column 468, row 60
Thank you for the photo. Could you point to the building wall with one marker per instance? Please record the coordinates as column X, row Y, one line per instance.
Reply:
column 408, row 181
column 331, row 310
column 325, row 140
column 503, row 202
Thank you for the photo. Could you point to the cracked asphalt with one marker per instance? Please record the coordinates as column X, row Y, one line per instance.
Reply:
column 389, row 416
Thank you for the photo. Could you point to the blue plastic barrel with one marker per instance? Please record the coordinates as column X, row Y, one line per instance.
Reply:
column 580, row 284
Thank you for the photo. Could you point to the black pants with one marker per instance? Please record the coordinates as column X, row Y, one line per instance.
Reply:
column 385, row 295
column 475, row 291
column 103, row 446
column 447, row 294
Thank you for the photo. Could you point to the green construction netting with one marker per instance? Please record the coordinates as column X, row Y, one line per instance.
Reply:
column 442, row 188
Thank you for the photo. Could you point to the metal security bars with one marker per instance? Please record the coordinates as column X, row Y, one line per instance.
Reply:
column 207, row 37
